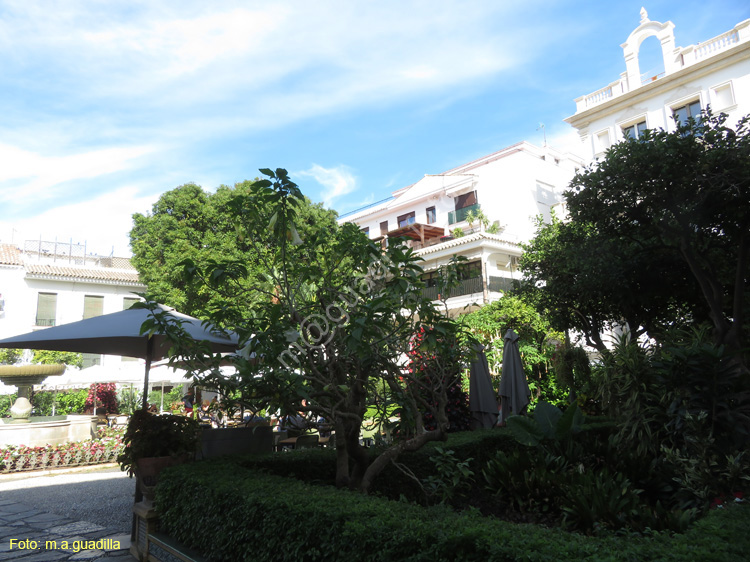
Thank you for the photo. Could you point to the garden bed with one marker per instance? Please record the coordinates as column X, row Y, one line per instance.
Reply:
column 104, row 449
column 244, row 513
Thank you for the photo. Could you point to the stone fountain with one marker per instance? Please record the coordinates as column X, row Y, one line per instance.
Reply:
column 24, row 377
column 22, row 429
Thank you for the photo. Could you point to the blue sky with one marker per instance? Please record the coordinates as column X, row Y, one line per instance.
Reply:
column 106, row 105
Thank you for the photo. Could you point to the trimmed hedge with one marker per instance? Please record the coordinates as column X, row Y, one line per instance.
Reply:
column 228, row 511
column 318, row 466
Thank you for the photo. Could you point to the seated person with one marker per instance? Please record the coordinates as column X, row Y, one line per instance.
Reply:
column 324, row 428
column 294, row 425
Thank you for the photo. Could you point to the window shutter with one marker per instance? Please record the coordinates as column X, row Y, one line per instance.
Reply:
column 46, row 309
column 92, row 306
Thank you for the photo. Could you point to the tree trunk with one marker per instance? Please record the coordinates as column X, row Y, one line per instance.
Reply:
column 391, row 454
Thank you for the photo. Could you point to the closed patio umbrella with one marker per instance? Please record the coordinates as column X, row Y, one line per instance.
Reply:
column 514, row 390
column 119, row 333
column 482, row 400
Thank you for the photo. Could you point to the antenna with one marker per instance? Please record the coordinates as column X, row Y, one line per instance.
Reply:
column 544, row 132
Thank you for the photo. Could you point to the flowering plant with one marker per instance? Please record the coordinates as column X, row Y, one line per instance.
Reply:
column 104, row 395
column 443, row 365
column 105, row 448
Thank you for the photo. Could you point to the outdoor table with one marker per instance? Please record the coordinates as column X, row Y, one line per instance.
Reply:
column 289, row 443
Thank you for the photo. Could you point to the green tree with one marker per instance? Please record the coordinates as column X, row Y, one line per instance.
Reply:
column 190, row 223
column 537, row 341
column 591, row 283
column 658, row 235
column 685, row 192
column 10, row 356
column 335, row 315
column 44, row 357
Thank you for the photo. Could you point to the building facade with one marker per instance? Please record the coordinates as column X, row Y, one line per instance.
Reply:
column 713, row 73
column 46, row 284
column 482, row 210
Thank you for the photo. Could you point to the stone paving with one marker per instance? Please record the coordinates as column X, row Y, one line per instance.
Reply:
column 27, row 535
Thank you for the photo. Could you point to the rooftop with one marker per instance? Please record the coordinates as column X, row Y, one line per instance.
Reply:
column 47, row 260
column 676, row 59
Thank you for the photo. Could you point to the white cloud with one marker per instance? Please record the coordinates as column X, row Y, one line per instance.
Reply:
column 35, row 175
column 337, row 181
column 102, row 223
column 566, row 139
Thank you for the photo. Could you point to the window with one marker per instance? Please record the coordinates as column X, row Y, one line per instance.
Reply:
column 431, row 278
column 46, row 309
column 601, row 141
column 634, row 131
column 431, row 217
column 723, row 96
column 128, row 302
column 466, row 200
column 682, row 114
column 407, row 219
column 92, row 306
column 384, row 227
column 90, row 359
column 366, row 230
column 470, row 270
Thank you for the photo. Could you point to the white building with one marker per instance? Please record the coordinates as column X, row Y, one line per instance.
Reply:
column 509, row 188
column 45, row 284
column 715, row 72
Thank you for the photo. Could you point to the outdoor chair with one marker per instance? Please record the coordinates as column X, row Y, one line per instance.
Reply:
column 306, row 442
column 329, row 441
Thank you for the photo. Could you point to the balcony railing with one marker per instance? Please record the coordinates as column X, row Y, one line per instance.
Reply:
column 460, row 214
column 502, row 284
column 465, row 287
column 45, row 322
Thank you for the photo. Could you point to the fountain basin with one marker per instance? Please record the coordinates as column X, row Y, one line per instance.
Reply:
column 52, row 430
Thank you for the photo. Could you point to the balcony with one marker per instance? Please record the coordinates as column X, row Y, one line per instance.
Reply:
column 502, row 284
column 465, row 287
column 460, row 214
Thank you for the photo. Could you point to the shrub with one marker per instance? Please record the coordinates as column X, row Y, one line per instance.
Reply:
column 149, row 435
column 245, row 515
column 105, row 396
column 64, row 402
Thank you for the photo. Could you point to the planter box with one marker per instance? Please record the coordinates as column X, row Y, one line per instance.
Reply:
column 236, row 440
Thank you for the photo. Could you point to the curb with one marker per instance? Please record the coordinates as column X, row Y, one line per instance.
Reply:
column 23, row 474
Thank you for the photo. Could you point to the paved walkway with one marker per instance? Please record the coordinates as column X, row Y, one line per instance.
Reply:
column 28, row 534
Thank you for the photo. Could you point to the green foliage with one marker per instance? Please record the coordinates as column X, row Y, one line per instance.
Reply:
column 494, row 228
column 239, row 513
column 190, row 223
column 6, row 401
column 64, row 401
column 452, row 476
column 457, row 232
column 149, row 435
column 660, row 227
column 334, row 315
column 174, row 395
column 130, row 400
column 547, row 422
column 682, row 415
column 477, row 216
column 10, row 356
column 536, row 342
column 528, row 482
column 44, row 357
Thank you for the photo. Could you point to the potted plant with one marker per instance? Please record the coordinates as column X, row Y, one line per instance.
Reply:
column 153, row 442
